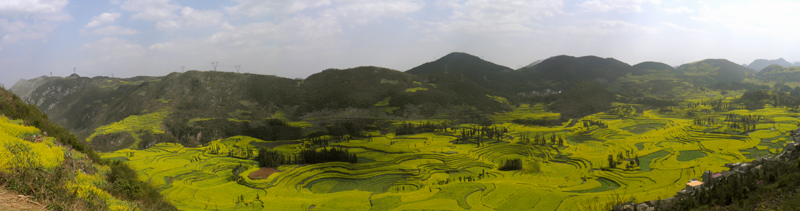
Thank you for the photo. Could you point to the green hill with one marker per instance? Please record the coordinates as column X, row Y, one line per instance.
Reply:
column 196, row 107
column 715, row 70
column 562, row 71
column 760, row 64
column 778, row 72
column 464, row 67
column 656, row 66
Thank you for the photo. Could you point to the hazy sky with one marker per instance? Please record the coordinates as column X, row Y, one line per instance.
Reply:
column 299, row 38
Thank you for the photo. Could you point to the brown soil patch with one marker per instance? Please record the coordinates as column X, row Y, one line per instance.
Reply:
column 10, row 200
column 262, row 173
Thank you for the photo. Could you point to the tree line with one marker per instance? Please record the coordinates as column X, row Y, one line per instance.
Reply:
column 270, row 158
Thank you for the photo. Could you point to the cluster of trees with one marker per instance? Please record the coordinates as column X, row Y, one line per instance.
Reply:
column 425, row 127
column 236, row 171
column 316, row 142
column 541, row 139
column 490, row 132
column 745, row 123
column 512, row 164
column 538, row 122
column 628, row 156
column 271, row 158
column 589, row 123
column 705, row 121
column 471, row 178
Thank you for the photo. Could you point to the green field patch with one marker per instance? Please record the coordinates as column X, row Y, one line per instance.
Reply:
column 755, row 153
column 605, row 185
column 271, row 144
column 689, row 155
column 377, row 184
column 639, row 145
column 644, row 161
column 365, row 160
column 579, row 139
column 643, row 128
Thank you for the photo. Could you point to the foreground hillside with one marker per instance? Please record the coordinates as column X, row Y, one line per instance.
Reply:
column 46, row 162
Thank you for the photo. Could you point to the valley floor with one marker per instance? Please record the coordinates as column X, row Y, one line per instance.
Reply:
column 620, row 155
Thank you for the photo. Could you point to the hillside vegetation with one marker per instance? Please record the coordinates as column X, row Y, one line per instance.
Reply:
column 568, row 133
column 43, row 160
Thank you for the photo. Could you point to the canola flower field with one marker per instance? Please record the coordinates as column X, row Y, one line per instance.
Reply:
column 655, row 152
column 20, row 148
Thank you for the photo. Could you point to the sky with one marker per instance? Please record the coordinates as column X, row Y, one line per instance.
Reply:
column 295, row 39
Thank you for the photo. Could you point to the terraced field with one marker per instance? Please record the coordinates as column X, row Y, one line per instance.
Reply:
column 434, row 171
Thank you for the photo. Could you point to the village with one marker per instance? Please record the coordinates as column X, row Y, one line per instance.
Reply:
column 710, row 178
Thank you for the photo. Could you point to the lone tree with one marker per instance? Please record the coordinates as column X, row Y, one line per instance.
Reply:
column 611, row 161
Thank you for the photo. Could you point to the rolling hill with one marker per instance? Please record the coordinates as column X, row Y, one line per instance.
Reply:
column 778, row 72
column 462, row 67
column 195, row 107
column 760, row 64
column 656, row 66
column 563, row 71
column 715, row 70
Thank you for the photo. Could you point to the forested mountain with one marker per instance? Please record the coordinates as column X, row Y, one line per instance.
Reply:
column 562, row 71
column 657, row 66
column 760, row 64
column 462, row 67
column 195, row 107
column 714, row 70
column 778, row 72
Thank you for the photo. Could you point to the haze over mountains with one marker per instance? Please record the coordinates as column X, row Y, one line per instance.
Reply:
column 760, row 64
column 441, row 87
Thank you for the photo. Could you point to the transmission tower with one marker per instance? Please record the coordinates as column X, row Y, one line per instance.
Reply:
column 237, row 68
column 182, row 68
column 215, row 65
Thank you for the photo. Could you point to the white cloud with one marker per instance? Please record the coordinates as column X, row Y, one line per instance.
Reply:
column 115, row 30
column 192, row 19
column 29, row 20
column 680, row 28
column 768, row 18
column 360, row 12
column 504, row 16
column 622, row 6
column 111, row 53
column 255, row 8
column 101, row 19
column 150, row 10
column 115, row 2
column 161, row 46
column 52, row 10
column 200, row 18
column 679, row 10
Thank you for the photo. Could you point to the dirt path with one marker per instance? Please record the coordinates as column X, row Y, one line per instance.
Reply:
column 10, row 200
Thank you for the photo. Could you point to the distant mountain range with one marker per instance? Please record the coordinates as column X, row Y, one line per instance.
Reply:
column 760, row 64
column 455, row 86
